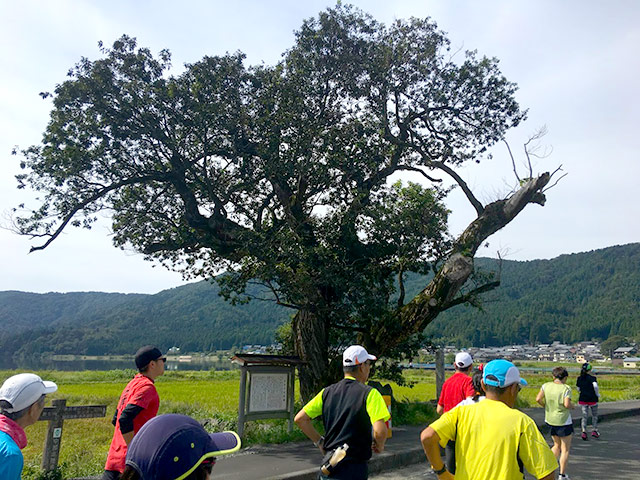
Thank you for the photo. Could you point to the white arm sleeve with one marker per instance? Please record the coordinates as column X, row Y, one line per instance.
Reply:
column 595, row 387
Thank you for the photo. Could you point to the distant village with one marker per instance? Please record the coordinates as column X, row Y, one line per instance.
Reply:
column 555, row 352
column 545, row 352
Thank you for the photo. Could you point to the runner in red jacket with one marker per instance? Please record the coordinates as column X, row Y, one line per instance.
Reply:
column 457, row 387
column 138, row 404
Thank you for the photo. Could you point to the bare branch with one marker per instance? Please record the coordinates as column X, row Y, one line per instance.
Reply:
column 422, row 172
column 463, row 185
column 513, row 161
column 559, row 169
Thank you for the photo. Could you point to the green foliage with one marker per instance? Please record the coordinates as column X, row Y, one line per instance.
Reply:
column 612, row 343
column 413, row 413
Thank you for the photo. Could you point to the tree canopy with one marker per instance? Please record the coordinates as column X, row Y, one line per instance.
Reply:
column 280, row 174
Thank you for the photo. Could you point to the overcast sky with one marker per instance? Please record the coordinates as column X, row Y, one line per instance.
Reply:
column 576, row 62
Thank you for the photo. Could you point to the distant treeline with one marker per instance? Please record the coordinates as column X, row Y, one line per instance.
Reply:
column 570, row 298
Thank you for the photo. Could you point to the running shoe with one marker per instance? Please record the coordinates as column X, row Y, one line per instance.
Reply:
column 595, row 434
column 563, row 476
column 584, row 436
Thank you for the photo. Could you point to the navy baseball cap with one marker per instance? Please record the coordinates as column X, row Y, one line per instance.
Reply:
column 170, row 447
column 503, row 373
column 147, row 354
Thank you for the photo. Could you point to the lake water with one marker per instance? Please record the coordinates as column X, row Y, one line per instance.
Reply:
column 106, row 364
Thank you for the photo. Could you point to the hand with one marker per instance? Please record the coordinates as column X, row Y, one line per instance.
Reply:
column 375, row 448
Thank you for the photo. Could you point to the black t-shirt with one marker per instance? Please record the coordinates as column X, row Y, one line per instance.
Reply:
column 587, row 391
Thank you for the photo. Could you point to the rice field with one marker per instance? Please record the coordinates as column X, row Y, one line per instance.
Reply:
column 212, row 396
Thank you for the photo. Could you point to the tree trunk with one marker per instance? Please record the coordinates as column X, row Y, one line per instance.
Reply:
column 311, row 342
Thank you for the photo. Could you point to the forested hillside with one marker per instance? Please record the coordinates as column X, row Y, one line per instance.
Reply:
column 569, row 298
column 192, row 317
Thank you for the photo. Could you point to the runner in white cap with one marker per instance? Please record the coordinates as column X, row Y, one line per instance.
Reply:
column 21, row 404
column 349, row 410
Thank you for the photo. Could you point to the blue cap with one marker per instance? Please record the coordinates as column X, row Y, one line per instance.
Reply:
column 170, row 447
column 503, row 373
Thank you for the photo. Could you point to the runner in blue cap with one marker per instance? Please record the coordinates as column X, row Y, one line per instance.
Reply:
column 493, row 439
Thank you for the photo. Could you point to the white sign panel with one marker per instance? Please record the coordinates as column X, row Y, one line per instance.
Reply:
column 268, row 392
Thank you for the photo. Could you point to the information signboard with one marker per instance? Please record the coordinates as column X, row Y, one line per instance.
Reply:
column 268, row 392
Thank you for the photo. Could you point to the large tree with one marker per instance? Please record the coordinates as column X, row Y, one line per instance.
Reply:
column 281, row 174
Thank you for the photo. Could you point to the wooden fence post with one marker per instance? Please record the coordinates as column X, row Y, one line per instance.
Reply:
column 54, row 434
column 56, row 415
column 439, row 372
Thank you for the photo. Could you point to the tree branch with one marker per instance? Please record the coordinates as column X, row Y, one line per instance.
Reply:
column 443, row 288
column 80, row 205
column 470, row 296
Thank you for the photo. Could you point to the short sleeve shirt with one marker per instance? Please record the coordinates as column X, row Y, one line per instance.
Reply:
column 555, row 413
column 457, row 387
column 376, row 407
column 141, row 392
column 11, row 461
column 491, row 439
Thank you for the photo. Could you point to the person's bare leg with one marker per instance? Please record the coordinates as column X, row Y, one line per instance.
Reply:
column 565, row 446
column 556, row 446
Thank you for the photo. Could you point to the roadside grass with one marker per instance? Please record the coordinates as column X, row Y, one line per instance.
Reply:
column 212, row 398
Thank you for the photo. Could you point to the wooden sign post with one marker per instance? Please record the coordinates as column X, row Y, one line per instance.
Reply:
column 56, row 415
column 267, row 385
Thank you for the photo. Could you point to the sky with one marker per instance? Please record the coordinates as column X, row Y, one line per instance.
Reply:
column 576, row 64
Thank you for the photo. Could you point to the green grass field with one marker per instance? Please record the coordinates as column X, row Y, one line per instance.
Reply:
column 212, row 396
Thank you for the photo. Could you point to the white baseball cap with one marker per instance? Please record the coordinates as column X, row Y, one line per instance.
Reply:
column 23, row 390
column 356, row 355
column 463, row 360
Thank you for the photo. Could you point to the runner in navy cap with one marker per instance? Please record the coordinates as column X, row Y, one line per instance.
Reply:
column 176, row 447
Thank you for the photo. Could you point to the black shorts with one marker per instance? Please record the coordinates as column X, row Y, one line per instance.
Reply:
column 561, row 431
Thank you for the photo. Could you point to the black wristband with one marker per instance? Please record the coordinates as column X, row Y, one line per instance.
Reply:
column 439, row 472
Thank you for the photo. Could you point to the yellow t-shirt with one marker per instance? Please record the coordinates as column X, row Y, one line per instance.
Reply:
column 376, row 408
column 490, row 439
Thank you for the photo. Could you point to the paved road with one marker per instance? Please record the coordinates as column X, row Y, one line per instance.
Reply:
column 616, row 454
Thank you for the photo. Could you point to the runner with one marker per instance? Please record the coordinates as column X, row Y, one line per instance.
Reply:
column 176, row 447
column 350, row 411
column 589, row 395
column 454, row 390
column 555, row 397
column 21, row 404
column 138, row 404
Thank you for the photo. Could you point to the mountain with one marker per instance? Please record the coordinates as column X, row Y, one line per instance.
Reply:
column 192, row 317
column 569, row 298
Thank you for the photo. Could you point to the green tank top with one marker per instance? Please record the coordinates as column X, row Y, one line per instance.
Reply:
column 555, row 413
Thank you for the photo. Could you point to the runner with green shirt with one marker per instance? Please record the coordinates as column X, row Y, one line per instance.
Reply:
column 555, row 397
column 349, row 409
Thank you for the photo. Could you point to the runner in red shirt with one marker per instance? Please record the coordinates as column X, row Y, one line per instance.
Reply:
column 138, row 404
column 455, row 389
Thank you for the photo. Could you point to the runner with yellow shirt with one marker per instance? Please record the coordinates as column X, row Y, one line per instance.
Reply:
column 493, row 439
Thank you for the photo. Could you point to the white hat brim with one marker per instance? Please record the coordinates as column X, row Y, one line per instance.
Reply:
column 49, row 387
